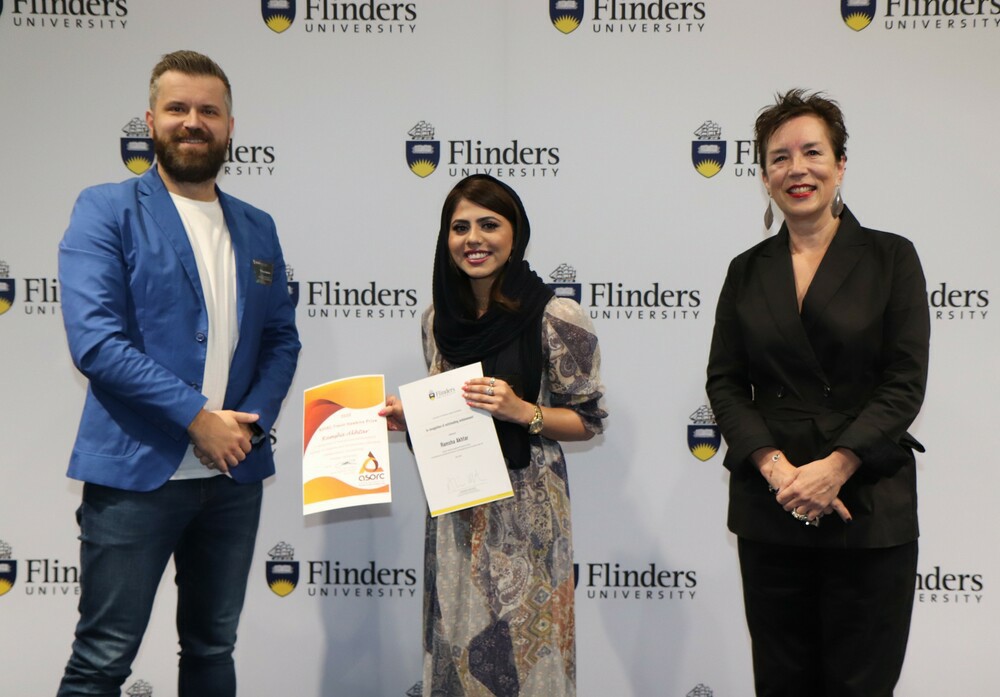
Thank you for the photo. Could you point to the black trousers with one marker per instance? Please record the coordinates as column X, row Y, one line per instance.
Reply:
column 827, row 622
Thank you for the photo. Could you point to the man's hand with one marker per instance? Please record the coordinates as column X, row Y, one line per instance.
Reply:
column 221, row 438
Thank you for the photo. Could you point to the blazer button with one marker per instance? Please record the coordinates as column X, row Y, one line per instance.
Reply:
column 200, row 337
column 781, row 391
column 826, row 390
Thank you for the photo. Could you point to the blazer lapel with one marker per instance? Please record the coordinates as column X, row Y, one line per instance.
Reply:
column 241, row 252
column 778, row 282
column 160, row 210
column 846, row 249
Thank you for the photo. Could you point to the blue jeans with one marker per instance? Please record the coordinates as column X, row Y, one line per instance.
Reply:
column 126, row 539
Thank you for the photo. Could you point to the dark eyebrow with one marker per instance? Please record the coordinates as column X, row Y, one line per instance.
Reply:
column 805, row 146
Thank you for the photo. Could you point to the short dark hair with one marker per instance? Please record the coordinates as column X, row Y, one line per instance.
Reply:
column 794, row 103
column 189, row 63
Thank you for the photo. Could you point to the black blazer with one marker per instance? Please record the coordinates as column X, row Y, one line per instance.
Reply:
column 850, row 371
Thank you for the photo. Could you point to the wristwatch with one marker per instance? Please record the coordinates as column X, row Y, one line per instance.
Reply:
column 536, row 425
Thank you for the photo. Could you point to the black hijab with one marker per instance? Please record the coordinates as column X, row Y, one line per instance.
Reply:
column 507, row 341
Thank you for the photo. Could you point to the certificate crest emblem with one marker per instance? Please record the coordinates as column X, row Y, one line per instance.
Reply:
column 278, row 15
column 857, row 14
column 708, row 152
column 282, row 571
column 704, row 437
column 422, row 152
column 566, row 15
column 8, row 568
column 137, row 147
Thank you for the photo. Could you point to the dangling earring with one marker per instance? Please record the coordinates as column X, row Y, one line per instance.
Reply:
column 837, row 205
column 768, row 214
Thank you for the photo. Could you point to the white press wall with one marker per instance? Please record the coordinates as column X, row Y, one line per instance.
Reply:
column 323, row 110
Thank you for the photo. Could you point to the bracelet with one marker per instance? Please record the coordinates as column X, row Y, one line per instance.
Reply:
column 774, row 459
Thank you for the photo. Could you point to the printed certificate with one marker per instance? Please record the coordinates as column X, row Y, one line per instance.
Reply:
column 345, row 445
column 458, row 454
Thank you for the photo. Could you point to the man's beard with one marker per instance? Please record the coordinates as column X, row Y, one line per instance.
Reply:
column 189, row 167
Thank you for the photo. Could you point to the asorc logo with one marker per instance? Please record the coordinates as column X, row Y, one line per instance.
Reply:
column 709, row 152
column 511, row 159
column 330, row 578
column 614, row 581
column 942, row 587
column 921, row 15
column 950, row 302
column 652, row 17
column 366, row 18
column 631, row 300
column 703, row 436
column 75, row 15
column 136, row 146
column 39, row 295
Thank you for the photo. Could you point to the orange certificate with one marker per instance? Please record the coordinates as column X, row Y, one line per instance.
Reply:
column 345, row 445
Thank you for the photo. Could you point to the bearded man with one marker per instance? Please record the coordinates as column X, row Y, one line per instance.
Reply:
column 177, row 312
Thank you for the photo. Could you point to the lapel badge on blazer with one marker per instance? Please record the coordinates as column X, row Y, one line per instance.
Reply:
column 263, row 272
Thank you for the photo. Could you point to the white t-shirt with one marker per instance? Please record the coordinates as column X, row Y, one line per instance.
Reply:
column 213, row 253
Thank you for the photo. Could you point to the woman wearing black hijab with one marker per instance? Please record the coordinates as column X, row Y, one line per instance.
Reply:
column 498, row 600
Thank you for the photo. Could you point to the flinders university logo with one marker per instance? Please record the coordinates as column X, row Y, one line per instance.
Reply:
column 422, row 152
column 282, row 571
column 140, row 688
column 564, row 283
column 566, row 15
column 8, row 568
column 278, row 15
column 137, row 146
column 700, row 690
column 857, row 14
column 703, row 434
column 708, row 153
column 7, row 290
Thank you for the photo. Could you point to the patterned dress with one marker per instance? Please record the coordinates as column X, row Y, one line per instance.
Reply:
column 498, row 596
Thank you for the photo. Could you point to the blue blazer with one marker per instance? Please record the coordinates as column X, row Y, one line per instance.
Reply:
column 137, row 327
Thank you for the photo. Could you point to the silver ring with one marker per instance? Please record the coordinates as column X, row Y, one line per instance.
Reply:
column 799, row 516
column 493, row 381
column 489, row 391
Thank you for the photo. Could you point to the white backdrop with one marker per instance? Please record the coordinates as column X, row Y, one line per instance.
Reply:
column 323, row 111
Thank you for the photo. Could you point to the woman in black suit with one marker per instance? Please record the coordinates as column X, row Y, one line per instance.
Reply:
column 817, row 368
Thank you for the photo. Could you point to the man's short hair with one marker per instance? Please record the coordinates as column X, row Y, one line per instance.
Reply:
column 189, row 63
